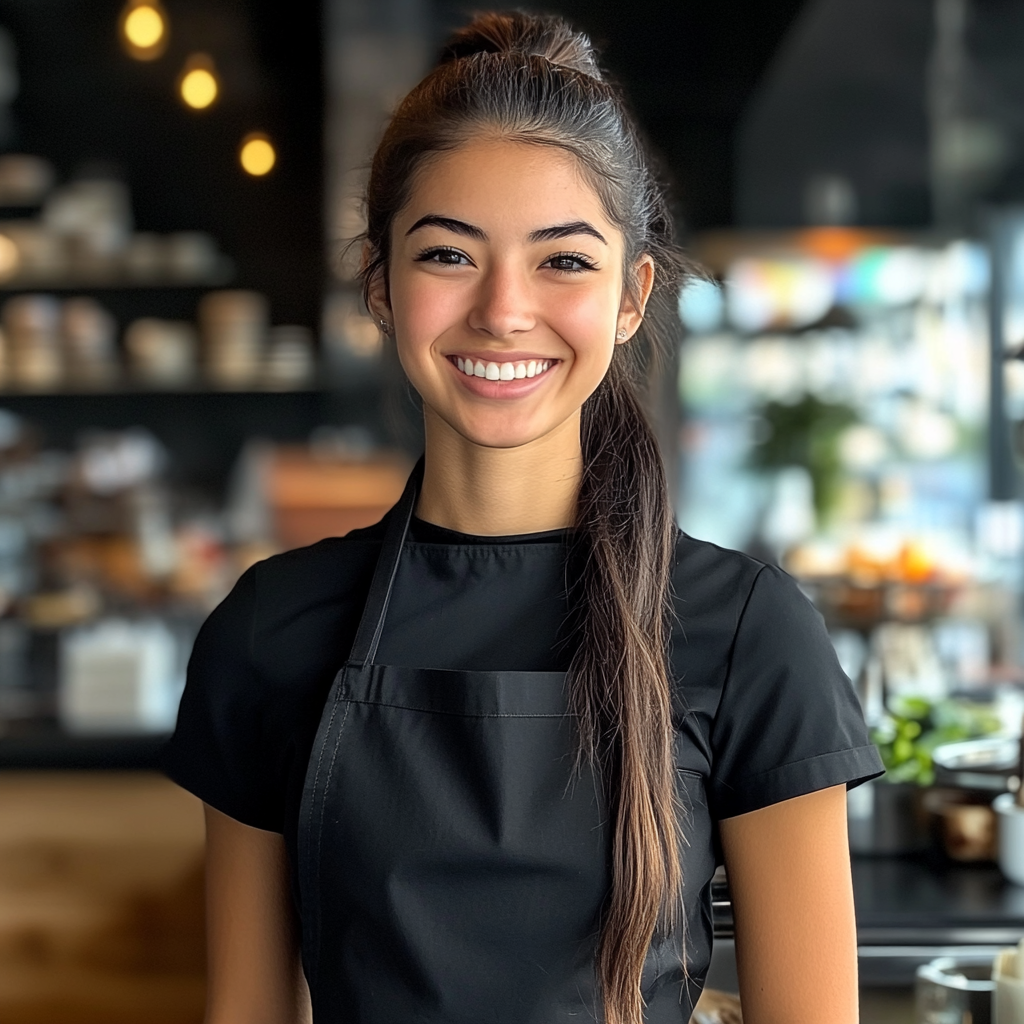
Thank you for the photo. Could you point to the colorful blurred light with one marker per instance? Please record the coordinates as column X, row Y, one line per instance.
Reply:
column 701, row 305
column 884, row 276
column 763, row 293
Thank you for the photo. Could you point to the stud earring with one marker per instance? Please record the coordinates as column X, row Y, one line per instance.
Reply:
column 385, row 326
column 621, row 335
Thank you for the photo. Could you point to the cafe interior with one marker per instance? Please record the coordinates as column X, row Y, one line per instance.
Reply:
column 189, row 383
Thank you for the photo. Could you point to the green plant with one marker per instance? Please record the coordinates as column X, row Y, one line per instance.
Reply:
column 914, row 727
column 805, row 433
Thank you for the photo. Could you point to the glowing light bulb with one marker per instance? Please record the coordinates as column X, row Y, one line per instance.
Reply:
column 257, row 155
column 144, row 29
column 198, row 85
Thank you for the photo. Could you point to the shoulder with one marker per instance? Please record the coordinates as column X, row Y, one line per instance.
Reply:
column 719, row 595
column 709, row 581
column 260, row 671
column 327, row 568
column 322, row 559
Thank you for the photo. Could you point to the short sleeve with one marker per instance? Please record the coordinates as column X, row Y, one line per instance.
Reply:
column 216, row 751
column 789, row 721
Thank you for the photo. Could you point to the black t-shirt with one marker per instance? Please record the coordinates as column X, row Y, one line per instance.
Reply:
column 763, row 710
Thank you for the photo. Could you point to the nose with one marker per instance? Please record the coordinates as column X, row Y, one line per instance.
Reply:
column 503, row 305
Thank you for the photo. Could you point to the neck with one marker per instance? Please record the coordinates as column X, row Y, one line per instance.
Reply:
column 493, row 492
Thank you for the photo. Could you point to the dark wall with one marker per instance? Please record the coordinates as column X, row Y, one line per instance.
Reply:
column 689, row 67
column 82, row 99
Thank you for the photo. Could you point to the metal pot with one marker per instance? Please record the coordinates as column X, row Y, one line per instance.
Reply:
column 955, row 990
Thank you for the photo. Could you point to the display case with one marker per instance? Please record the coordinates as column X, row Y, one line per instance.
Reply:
column 847, row 404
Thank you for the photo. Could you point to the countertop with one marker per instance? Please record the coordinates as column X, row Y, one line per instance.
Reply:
column 909, row 911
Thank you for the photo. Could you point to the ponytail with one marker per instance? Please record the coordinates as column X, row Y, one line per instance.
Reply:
column 620, row 687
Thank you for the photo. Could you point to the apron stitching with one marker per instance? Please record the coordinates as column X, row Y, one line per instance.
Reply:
column 454, row 714
column 320, row 824
column 330, row 772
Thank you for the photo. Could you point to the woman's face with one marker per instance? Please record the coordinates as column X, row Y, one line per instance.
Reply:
column 506, row 290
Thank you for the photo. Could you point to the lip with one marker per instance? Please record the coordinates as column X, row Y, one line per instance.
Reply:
column 505, row 389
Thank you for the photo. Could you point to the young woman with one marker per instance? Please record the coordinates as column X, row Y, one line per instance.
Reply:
column 477, row 763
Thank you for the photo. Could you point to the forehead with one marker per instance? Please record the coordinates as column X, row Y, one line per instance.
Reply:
column 505, row 187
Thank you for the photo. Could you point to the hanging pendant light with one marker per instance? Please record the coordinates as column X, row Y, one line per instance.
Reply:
column 257, row 154
column 198, row 85
column 144, row 29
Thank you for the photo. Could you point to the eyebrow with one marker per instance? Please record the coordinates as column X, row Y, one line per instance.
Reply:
column 576, row 227
column 460, row 227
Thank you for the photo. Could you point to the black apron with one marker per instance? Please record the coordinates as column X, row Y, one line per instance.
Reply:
column 452, row 867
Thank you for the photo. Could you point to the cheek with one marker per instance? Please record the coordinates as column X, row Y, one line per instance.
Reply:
column 585, row 319
column 426, row 306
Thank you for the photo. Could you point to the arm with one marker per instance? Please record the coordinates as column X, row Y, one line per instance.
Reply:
column 796, row 935
column 255, row 976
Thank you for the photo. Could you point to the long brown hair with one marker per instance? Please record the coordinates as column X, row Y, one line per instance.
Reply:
column 534, row 79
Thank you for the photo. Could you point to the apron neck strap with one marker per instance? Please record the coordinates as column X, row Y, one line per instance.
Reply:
column 371, row 624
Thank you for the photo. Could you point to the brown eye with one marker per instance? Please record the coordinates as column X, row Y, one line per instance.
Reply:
column 570, row 262
column 444, row 257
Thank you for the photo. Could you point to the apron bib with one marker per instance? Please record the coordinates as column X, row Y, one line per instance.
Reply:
column 452, row 866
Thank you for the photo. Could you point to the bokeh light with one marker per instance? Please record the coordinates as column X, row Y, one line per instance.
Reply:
column 198, row 85
column 257, row 155
column 144, row 29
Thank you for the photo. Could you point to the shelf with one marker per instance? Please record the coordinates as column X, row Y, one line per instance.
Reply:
column 51, row 750
column 107, row 284
column 142, row 392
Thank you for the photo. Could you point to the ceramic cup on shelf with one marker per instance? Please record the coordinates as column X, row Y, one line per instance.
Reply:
column 1010, row 815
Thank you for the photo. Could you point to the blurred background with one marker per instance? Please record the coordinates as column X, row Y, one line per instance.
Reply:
column 188, row 383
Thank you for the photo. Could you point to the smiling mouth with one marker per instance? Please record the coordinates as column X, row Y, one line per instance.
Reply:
column 518, row 370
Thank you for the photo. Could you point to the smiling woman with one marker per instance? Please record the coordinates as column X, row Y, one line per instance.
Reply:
column 494, row 285
column 506, row 805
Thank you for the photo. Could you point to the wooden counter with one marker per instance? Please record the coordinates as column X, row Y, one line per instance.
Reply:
column 101, row 904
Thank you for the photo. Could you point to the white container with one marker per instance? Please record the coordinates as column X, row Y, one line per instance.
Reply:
column 119, row 677
column 1011, row 837
column 1008, row 998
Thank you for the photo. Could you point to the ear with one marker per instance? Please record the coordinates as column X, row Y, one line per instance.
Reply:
column 377, row 290
column 631, row 312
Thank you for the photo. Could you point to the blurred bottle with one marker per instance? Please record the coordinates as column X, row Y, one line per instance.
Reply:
column 42, row 254
column 15, row 696
column 192, row 256
column 32, row 329
column 233, row 328
column 289, row 362
column 90, row 351
column 24, row 179
column 161, row 353
column 94, row 214
column 145, row 257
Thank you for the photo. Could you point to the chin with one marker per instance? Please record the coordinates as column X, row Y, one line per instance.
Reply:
column 489, row 434
column 499, row 438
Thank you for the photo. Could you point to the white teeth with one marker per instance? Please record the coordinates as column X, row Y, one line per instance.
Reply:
column 502, row 371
